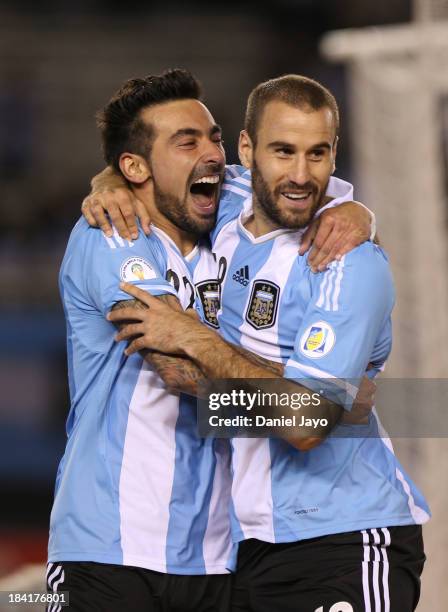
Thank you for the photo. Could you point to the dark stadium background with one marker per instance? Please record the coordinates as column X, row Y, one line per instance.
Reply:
column 59, row 62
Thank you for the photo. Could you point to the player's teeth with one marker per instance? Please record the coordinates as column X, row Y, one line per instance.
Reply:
column 296, row 196
column 207, row 179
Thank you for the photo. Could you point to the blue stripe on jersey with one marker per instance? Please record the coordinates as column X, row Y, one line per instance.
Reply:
column 85, row 515
column 117, row 419
column 295, row 291
column 192, row 489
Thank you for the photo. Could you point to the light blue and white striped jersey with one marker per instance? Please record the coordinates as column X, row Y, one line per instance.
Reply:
column 321, row 326
column 136, row 485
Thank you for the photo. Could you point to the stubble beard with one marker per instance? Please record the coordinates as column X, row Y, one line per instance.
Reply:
column 268, row 199
column 175, row 210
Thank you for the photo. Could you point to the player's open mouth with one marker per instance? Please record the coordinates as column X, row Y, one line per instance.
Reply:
column 298, row 199
column 204, row 193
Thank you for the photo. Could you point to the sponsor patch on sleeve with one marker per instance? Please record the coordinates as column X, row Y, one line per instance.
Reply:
column 317, row 340
column 136, row 269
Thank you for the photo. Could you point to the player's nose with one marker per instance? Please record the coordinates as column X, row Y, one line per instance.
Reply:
column 299, row 171
column 213, row 153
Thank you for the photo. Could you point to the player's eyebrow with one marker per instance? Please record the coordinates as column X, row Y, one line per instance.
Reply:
column 277, row 144
column 184, row 132
column 321, row 145
column 215, row 129
column 280, row 144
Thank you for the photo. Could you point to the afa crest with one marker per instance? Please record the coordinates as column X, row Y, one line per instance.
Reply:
column 262, row 310
column 208, row 292
column 318, row 340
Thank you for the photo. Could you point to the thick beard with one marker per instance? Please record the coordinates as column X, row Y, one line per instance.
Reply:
column 268, row 203
column 175, row 210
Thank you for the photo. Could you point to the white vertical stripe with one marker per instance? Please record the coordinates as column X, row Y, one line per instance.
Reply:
column 49, row 566
column 320, row 301
column 337, row 289
column 147, row 470
column 58, row 582
column 55, row 607
column 54, row 574
column 117, row 236
column 419, row 515
column 387, row 541
column 265, row 342
column 365, row 571
column 376, row 569
column 217, row 542
column 251, row 490
column 109, row 241
column 331, row 278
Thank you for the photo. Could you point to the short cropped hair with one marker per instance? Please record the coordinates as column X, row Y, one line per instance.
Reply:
column 293, row 89
column 122, row 128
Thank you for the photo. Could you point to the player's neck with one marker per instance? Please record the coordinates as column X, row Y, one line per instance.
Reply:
column 259, row 224
column 185, row 241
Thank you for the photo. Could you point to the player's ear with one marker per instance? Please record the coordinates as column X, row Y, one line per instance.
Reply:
column 245, row 149
column 334, row 150
column 134, row 168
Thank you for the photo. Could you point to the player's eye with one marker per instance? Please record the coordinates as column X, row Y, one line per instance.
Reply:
column 187, row 144
column 317, row 154
column 284, row 151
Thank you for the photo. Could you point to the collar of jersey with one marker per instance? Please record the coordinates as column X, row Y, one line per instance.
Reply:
column 164, row 236
column 244, row 216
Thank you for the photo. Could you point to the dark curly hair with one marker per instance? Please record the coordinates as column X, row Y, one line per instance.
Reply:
column 120, row 123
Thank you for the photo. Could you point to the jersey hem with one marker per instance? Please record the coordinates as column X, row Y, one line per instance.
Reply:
column 283, row 537
column 156, row 566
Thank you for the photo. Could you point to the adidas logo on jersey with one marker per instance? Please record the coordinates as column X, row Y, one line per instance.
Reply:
column 242, row 276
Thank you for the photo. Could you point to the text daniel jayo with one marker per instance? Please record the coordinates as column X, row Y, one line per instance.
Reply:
column 261, row 421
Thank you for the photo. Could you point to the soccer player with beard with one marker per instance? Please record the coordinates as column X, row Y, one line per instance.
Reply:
column 337, row 528
column 140, row 516
column 138, row 522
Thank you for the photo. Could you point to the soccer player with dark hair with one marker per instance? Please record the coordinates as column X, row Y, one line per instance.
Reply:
column 140, row 518
column 337, row 527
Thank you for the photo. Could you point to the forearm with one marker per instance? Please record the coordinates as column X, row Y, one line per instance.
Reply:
column 220, row 360
column 178, row 373
column 275, row 367
column 182, row 374
column 108, row 178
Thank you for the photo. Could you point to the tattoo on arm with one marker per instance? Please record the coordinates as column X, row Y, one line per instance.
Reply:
column 178, row 373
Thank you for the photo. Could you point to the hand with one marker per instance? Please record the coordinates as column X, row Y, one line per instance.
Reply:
column 117, row 206
column 161, row 327
column 336, row 232
column 363, row 404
